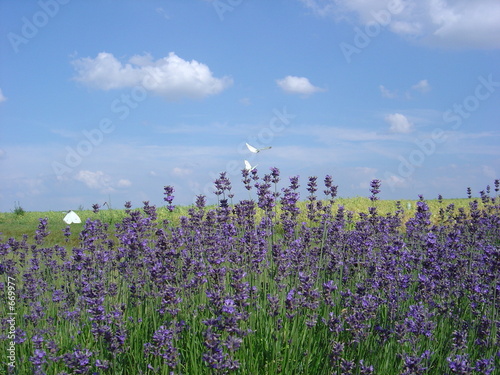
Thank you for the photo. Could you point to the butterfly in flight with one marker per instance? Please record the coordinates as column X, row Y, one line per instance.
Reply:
column 256, row 150
column 248, row 166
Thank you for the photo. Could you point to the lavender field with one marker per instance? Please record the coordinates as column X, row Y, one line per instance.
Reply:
column 262, row 286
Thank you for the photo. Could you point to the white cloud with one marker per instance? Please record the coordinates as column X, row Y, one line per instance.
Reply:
column 124, row 183
column 297, row 85
column 406, row 28
column 95, row 180
column 451, row 23
column 470, row 23
column 181, row 172
column 321, row 8
column 170, row 77
column 2, row 97
column 399, row 123
column 422, row 86
column 394, row 181
column 386, row 93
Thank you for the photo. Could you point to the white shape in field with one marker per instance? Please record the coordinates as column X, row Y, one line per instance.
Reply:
column 256, row 150
column 71, row 218
column 248, row 166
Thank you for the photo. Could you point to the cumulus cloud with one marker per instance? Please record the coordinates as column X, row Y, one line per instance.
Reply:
column 422, row 86
column 170, row 77
column 297, row 85
column 95, row 180
column 395, row 181
column 451, row 23
column 101, row 181
column 2, row 97
column 399, row 123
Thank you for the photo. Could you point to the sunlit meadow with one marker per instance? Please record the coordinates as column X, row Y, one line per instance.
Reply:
column 277, row 284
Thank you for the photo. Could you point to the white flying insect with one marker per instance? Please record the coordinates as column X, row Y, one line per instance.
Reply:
column 71, row 218
column 248, row 166
column 257, row 150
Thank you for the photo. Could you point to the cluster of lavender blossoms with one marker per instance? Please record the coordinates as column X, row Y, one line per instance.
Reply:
column 271, row 286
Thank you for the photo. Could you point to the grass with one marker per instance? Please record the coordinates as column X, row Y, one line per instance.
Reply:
column 15, row 224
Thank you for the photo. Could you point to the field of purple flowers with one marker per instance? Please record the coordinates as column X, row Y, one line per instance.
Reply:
column 253, row 288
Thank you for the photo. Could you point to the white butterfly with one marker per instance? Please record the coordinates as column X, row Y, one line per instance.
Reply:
column 256, row 150
column 71, row 218
column 248, row 166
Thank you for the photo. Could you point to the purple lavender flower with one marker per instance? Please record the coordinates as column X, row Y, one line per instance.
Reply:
column 275, row 175
column 128, row 206
column 163, row 340
column 347, row 367
column 414, row 364
column 337, row 348
column 215, row 357
column 38, row 359
column 294, row 182
column 246, row 178
column 42, row 231
column 418, row 320
column 273, row 305
column 266, row 198
column 169, row 197
column 78, row 360
column 331, row 190
column 375, row 189
column 459, row 339
column 233, row 343
column 37, row 341
column 149, row 210
column 485, row 366
column 104, row 365
column 67, row 233
column 312, row 185
column 20, row 336
column 200, row 201
column 364, row 369
column 459, row 364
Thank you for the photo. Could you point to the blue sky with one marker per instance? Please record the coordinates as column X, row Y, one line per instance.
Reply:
column 112, row 100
